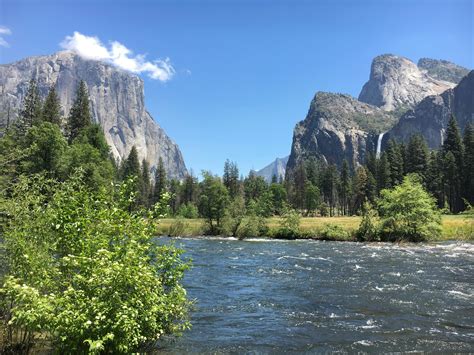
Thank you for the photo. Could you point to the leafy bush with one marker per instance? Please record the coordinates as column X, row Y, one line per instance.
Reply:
column 407, row 212
column 368, row 230
column 178, row 227
column 334, row 231
column 253, row 226
column 188, row 210
column 289, row 225
column 84, row 273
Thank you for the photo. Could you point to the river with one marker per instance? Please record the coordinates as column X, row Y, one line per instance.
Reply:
column 309, row 296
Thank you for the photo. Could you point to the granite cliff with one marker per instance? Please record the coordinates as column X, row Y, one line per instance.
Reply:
column 117, row 103
column 400, row 97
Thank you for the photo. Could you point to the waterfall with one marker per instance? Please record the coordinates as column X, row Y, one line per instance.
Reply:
column 379, row 145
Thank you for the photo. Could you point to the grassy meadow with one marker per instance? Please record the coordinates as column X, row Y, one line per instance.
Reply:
column 455, row 227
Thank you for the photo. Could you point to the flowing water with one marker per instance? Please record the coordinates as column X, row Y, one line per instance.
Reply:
column 305, row 296
column 379, row 145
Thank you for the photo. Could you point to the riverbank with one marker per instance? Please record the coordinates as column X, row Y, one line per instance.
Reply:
column 454, row 227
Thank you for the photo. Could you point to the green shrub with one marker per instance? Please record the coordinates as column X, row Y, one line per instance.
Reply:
column 407, row 212
column 289, row 225
column 188, row 210
column 333, row 232
column 368, row 230
column 178, row 227
column 85, row 274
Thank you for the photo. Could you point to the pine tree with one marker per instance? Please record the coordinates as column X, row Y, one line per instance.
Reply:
column 453, row 150
column 231, row 178
column 189, row 191
column 417, row 156
column 434, row 178
column 52, row 108
column 160, row 181
column 300, row 185
column 345, row 187
column 453, row 142
column 31, row 111
column 469, row 163
column 145, row 188
column 395, row 163
column 329, row 186
column 383, row 173
column 131, row 165
column 359, row 189
column 80, row 114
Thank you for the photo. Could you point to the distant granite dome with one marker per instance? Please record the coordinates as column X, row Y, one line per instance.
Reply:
column 117, row 103
column 430, row 117
column 398, row 83
column 276, row 168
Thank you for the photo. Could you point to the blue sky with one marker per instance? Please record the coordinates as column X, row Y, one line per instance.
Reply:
column 245, row 71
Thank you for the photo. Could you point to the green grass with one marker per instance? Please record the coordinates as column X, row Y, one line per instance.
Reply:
column 454, row 227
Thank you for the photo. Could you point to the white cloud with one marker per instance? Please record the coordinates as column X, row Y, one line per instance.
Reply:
column 4, row 31
column 119, row 55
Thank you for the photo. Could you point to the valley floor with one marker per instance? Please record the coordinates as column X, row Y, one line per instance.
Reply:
column 455, row 227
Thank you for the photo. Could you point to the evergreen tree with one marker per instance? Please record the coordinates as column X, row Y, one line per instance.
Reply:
column 131, row 166
column 359, row 189
column 453, row 145
column 299, row 184
column 231, row 178
column 395, row 162
column 31, row 111
column 345, row 187
column 145, row 188
column 469, row 163
column 435, row 179
column 189, row 191
column 417, row 156
column 80, row 114
column 383, row 173
column 52, row 108
column 160, row 181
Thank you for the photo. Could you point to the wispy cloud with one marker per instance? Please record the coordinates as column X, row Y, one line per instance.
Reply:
column 116, row 53
column 4, row 31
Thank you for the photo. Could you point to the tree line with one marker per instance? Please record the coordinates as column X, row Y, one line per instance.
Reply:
column 314, row 187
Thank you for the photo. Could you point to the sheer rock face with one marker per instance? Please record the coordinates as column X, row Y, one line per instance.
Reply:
column 396, row 83
column 116, row 97
column 430, row 117
column 276, row 168
column 336, row 128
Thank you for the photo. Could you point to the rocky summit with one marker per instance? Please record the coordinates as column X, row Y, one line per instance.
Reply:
column 430, row 117
column 117, row 103
column 396, row 83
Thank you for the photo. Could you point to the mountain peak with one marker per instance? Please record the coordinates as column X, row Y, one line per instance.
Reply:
column 396, row 82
